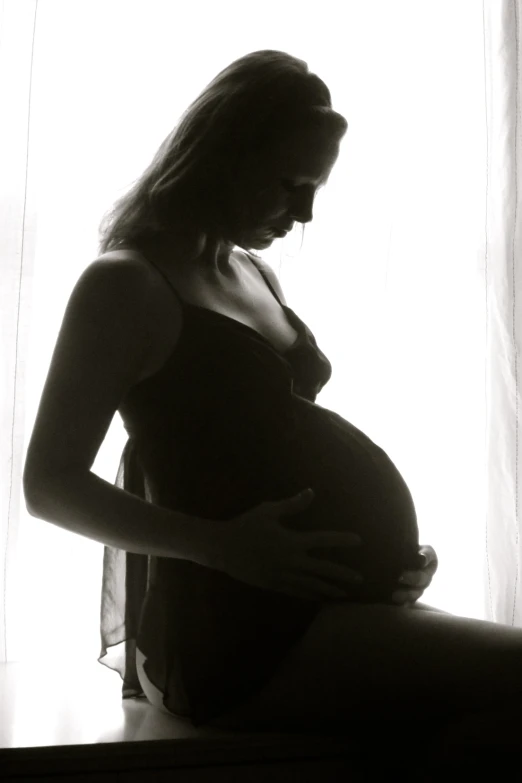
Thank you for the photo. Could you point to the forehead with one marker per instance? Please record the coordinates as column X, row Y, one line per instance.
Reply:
column 306, row 157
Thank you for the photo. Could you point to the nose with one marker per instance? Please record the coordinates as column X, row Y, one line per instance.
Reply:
column 302, row 207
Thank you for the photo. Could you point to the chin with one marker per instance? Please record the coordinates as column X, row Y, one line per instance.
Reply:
column 257, row 239
column 265, row 237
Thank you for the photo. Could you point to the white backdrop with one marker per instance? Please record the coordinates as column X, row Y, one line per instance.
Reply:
column 391, row 277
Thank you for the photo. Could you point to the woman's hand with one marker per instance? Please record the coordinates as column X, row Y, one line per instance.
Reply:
column 256, row 547
column 414, row 583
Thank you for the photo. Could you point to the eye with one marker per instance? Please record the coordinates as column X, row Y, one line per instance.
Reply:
column 288, row 185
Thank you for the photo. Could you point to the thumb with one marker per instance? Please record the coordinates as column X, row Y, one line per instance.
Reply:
column 294, row 504
column 305, row 496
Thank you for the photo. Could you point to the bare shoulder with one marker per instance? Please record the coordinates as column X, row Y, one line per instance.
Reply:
column 109, row 340
column 272, row 277
column 122, row 266
column 127, row 269
column 122, row 283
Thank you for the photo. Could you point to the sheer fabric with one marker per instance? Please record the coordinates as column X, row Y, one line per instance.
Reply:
column 227, row 423
column 124, row 585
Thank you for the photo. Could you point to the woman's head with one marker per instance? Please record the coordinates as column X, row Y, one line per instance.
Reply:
column 247, row 155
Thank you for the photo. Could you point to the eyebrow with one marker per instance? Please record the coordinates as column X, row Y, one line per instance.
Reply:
column 316, row 182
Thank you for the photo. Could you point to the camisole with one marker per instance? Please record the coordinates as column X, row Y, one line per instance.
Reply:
column 227, row 423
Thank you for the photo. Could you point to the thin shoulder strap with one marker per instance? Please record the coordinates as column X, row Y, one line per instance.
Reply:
column 267, row 281
column 140, row 256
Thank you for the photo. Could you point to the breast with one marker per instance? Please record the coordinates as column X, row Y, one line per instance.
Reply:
column 251, row 304
column 246, row 299
column 271, row 321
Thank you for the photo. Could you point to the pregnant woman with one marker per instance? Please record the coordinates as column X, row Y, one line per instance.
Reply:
column 239, row 601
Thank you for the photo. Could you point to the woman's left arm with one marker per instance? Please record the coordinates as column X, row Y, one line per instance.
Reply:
column 414, row 583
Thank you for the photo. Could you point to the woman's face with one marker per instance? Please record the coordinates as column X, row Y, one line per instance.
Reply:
column 279, row 190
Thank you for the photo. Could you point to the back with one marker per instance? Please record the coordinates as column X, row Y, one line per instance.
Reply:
column 111, row 331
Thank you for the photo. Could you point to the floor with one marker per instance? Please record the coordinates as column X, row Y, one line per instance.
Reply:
column 58, row 704
column 46, row 707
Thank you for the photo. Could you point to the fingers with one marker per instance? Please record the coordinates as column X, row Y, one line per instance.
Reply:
column 332, row 538
column 339, row 574
column 292, row 505
column 306, row 494
column 429, row 553
column 406, row 596
column 416, row 578
column 301, row 499
column 310, row 588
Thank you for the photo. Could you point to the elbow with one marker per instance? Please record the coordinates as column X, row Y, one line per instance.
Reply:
column 36, row 487
column 32, row 496
column 46, row 493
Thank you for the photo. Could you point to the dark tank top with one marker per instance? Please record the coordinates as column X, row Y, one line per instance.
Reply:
column 227, row 423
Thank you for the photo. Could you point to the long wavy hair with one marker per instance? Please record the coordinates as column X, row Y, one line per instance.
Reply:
column 193, row 186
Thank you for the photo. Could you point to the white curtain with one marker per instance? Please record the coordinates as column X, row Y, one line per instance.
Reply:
column 407, row 275
column 503, row 311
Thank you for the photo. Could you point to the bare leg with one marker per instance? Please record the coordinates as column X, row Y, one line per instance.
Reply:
column 362, row 663
column 428, row 608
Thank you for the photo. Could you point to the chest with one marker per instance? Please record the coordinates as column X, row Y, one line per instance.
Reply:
column 251, row 303
column 247, row 300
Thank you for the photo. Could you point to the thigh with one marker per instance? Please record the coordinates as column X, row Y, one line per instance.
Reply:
column 428, row 608
column 360, row 662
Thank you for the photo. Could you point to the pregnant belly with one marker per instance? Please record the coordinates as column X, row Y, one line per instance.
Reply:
column 358, row 489
column 241, row 464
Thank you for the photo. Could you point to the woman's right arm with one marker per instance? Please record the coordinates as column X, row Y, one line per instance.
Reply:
column 110, row 323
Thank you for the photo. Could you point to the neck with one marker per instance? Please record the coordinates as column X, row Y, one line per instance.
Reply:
column 210, row 260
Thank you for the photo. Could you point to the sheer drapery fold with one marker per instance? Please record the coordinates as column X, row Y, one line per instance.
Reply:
column 503, row 311
column 124, row 584
column 18, row 221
